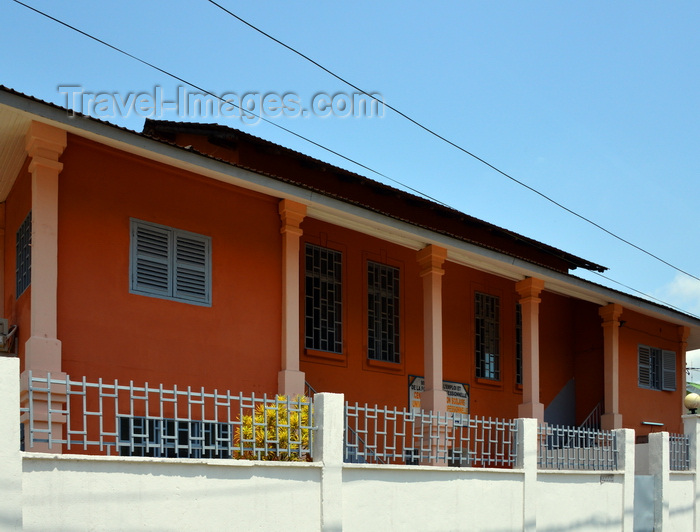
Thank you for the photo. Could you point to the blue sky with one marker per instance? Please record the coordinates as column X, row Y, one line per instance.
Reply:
column 594, row 104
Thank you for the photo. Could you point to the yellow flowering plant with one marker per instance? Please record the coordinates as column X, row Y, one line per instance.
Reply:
column 276, row 430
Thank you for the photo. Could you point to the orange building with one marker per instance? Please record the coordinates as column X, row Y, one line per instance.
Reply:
column 194, row 254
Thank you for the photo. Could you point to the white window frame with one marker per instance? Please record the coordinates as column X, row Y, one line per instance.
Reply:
column 170, row 263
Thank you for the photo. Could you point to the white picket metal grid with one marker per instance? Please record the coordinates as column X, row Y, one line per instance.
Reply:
column 383, row 435
column 577, row 448
column 106, row 417
column 679, row 452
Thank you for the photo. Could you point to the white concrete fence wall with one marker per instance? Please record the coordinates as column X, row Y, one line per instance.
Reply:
column 78, row 492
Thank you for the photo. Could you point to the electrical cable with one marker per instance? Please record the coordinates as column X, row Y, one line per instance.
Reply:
column 205, row 91
column 250, row 113
column 647, row 296
column 453, row 144
column 182, row 80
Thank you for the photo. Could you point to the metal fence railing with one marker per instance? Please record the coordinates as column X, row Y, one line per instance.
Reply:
column 592, row 421
column 128, row 420
column 393, row 436
column 576, row 448
column 679, row 452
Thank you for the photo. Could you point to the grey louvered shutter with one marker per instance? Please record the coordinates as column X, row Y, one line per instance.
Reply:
column 151, row 272
column 668, row 370
column 192, row 267
column 645, row 366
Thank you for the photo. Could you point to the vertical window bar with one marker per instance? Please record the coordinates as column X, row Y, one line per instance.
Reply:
column 23, row 255
column 518, row 344
column 383, row 312
column 323, row 299
column 487, row 336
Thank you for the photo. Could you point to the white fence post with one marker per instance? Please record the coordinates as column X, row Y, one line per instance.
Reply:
column 626, row 463
column 660, row 467
column 691, row 425
column 10, row 458
column 329, row 417
column 528, row 447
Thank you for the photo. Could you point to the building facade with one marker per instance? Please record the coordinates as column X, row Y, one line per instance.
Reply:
column 199, row 255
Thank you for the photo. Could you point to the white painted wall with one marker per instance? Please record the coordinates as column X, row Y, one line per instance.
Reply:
column 681, row 491
column 10, row 459
column 437, row 499
column 579, row 501
column 70, row 492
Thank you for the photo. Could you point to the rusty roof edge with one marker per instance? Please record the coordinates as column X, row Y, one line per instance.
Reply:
column 151, row 127
column 578, row 286
column 23, row 104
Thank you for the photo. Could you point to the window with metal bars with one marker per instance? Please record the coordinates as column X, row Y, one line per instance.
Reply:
column 170, row 263
column 656, row 368
column 323, row 299
column 487, row 336
column 383, row 312
column 23, row 263
column 518, row 344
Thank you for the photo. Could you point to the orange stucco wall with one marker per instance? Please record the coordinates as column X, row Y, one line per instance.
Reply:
column 235, row 344
column 108, row 332
column 562, row 356
column 588, row 358
column 640, row 404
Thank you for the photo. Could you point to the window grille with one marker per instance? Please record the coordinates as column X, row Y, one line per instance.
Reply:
column 487, row 336
column 518, row 344
column 656, row 368
column 170, row 263
column 324, row 299
column 24, row 255
column 382, row 312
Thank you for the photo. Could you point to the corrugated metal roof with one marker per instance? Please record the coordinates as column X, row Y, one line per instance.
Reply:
column 24, row 104
column 371, row 194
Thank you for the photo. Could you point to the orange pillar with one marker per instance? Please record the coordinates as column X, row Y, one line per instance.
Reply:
column 291, row 381
column 430, row 260
column 45, row 144
column 611, row 418
column 529, row 290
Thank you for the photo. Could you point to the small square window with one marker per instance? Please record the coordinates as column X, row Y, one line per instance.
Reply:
column 656, row 368
column 170, row 263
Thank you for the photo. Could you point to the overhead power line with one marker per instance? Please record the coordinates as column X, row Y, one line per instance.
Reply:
column 228, row 102
column 182, row 80
column 647, row 296
column 451, row 143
